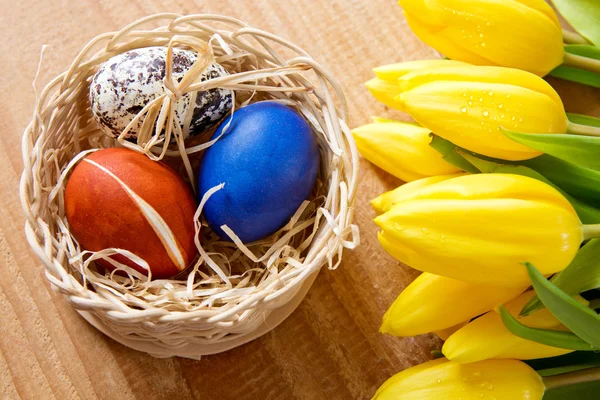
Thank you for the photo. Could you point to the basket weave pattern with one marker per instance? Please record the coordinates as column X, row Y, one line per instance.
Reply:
column 232, row 289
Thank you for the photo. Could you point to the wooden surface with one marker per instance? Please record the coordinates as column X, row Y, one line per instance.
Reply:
column 330, row 347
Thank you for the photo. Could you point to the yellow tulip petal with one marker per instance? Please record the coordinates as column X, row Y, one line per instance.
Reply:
column 430, row 36
column 527, row 351
column 479, row 238
column 487, row 186
column 487, row 337
column 523, row 34
column 446, row 333
column 543, row 7
column 407, row 374
column 385, row 92
column 432, row 303
column 384, row 202
column 486, row 380
column 470, row 115
column 402, row 149
column 434, row 14
column 464, row 73
column 392, row 72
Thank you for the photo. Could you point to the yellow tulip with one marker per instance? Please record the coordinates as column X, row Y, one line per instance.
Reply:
column 443, row 379
column 385, row 86
column 444, row 334
column 487, row 337
column 401, row 148
column 434, row 303
column 511, row 33
column 468, row 105
column 481, row 228
column 384, row 202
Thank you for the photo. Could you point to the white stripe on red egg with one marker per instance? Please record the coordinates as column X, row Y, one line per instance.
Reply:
column 158, row 224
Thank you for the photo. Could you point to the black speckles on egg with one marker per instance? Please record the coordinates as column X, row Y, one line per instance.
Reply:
column 126, row 83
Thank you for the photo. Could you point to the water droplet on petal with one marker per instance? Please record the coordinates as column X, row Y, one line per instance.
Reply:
column 486, row 113
column 481, row 99
column 463, row 110
column 491, row 93
column 470, row 103
column 439, row 380
column 508, row 95
column 513, row 118
column 500, row 105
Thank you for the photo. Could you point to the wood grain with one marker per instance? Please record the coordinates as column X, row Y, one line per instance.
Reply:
column 330, row 347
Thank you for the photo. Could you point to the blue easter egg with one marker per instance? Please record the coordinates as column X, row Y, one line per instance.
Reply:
column 268, row 159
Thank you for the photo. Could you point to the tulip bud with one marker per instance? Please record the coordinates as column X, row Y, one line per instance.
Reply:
column 385, row 201
column 487, row 337
column 433, row 303
column 443, row 379
column 402, row 149
column 511, row 33
column 469, row 105
column 385, row 86
column 481, row 228
column 444, row 334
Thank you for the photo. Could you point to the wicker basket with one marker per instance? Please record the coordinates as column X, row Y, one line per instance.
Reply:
column 204, row 312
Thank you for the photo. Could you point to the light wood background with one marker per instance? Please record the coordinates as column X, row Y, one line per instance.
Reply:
column 330, row 347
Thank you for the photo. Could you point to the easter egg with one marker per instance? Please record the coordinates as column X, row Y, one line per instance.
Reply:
column 126, row 83
column 118, row 198
column 268, row 159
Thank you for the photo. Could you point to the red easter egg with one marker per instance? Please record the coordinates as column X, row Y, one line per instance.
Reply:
column 120, row 198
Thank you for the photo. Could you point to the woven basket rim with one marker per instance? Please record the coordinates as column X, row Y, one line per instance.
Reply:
column 48, row 151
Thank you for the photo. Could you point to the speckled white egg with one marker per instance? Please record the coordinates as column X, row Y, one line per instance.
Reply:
column 126, row 83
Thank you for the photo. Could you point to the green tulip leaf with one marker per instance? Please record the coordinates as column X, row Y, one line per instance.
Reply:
column 583, row 15
column 586, row 213
column 583, row 183
column 582, row 274
column 584, row 119
column 560, row 339
column 584, row 50
column 578, row 391
column 581, row 150
column 576, row 75
column 448, row 150
column 581, row 320
column 576, row 361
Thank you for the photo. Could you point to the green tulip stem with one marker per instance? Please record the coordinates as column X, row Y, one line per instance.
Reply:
column 571, row 378
column 584, row 130
column 573, row 38
column 589, row 64
column 591, row 231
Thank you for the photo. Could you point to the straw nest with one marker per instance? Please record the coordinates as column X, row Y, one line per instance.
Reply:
column 233, row 293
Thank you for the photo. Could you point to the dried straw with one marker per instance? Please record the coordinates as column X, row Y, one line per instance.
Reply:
column 233, row 292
